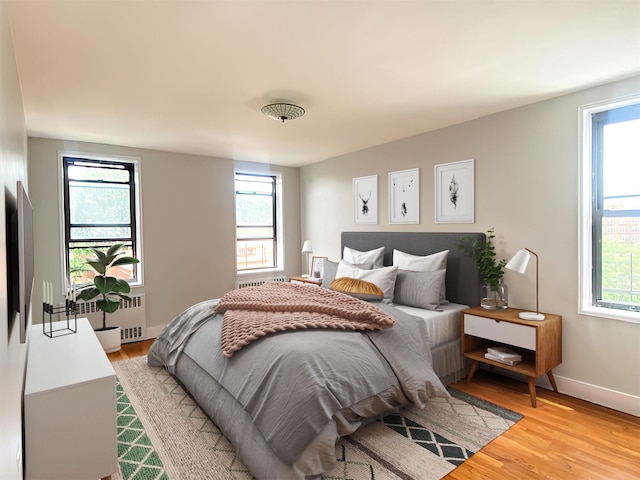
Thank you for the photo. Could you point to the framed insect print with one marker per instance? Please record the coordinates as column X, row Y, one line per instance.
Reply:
column 404, row 196
column 454, row 192
column 365, row 200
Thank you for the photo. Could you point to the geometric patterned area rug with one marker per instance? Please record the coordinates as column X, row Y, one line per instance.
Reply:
column 162, row 434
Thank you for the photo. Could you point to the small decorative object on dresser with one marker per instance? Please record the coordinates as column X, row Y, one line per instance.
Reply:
column 536, row 346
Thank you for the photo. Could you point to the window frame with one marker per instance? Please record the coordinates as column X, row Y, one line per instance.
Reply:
column 132, row 164
column 277, row 225
column 590, row 228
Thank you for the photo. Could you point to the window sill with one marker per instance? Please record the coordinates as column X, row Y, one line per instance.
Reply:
column 260, row 272
column 612, row 314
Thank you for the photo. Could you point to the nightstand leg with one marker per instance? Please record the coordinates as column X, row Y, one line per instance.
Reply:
column 474, row 367
column 532, row 391
column 552, row 380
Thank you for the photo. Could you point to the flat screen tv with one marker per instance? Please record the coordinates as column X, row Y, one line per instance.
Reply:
column 23, row 257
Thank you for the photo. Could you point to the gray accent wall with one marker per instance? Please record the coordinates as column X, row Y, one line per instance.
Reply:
column 526, row 187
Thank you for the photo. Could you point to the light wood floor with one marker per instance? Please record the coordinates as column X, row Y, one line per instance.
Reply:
column 563, row 438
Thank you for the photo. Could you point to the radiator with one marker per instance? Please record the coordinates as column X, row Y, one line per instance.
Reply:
column 131, row 317
column 258, row 281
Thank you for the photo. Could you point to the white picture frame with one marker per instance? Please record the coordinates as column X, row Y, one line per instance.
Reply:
column 365, row 200
column 404, row 196
column 317, row 265
column 454, row 192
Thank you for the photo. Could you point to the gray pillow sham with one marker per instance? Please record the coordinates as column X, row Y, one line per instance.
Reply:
column 419, row 289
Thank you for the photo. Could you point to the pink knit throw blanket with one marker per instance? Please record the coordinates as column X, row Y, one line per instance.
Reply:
column 253, row 312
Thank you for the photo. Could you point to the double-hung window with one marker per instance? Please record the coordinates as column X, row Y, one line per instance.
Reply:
column 257, row 230
column 610, row 207
column 100, row 201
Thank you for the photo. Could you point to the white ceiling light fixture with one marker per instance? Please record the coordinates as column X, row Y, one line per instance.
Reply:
column 283, row 111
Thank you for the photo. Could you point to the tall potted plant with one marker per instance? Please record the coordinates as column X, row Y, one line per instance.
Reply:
column 111, row 290
column 494, row 291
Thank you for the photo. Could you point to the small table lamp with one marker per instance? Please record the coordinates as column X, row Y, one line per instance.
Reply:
column 306, row 249
column 519, row 264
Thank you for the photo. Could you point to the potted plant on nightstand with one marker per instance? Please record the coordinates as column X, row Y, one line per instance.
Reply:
column 494, row 291
column 111, row 290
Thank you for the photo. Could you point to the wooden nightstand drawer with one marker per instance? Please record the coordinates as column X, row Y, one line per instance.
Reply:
column 500, row 331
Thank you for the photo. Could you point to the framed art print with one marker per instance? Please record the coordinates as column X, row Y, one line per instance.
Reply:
column 454, row 191
column 365, row 199
column 404, row 196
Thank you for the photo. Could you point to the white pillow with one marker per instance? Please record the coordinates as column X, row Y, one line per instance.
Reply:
column 427, row 263
column 375, row 256
column 384, row 277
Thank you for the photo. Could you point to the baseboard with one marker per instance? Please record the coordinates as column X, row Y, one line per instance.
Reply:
column 620, row 401
column 606, row 397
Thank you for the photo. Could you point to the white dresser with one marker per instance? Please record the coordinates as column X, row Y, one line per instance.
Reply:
column 69, row 407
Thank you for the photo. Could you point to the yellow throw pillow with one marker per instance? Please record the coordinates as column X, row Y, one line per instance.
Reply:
column 358, row 288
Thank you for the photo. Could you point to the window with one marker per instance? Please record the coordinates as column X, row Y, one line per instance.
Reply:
column 100, row 201
column 257, row 229
column 610, row 276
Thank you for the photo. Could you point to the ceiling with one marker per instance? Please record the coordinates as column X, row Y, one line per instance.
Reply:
column 191, row 76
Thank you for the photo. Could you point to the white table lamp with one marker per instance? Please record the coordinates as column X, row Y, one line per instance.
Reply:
column 306, row 249
column 519, row 264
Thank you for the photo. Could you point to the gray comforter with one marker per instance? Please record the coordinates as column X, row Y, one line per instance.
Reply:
column 293, row 383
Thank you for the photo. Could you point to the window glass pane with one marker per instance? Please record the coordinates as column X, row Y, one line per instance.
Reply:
column 115, row 173
column 254, row 254
column 99, row 203
column 85, row 233
column 254, row 232
column 621, row 162
column 254, row 210
column 80, row 252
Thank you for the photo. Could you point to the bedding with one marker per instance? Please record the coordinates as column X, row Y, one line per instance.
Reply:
column 253, row 312
column 300, row 390
column 284, row 399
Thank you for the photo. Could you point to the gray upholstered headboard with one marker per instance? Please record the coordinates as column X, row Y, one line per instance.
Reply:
column 463, row 280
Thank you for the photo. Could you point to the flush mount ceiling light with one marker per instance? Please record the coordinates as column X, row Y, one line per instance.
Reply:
column 282, row 111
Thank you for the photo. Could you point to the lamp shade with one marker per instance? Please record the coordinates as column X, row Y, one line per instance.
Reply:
column 306, row 247
column 519, row 261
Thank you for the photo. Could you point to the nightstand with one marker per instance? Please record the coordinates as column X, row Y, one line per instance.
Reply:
column 539, row 342
column 309, row 280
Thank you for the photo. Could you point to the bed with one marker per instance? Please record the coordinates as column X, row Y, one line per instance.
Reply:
column 284, row 398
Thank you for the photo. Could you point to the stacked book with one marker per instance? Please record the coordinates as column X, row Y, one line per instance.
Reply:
column 503, row 355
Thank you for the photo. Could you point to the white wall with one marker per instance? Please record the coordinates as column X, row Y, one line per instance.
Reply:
column 187, row 218
column 526, row 186
column 13, row 167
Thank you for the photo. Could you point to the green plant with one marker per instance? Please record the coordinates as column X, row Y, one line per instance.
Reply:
column 484, row 254
column 112, row 289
